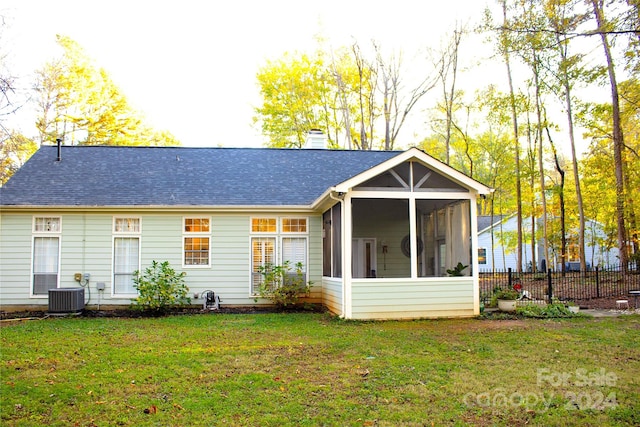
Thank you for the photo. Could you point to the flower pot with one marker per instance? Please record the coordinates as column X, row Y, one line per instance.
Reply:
column 508, row 305
column 574, row 308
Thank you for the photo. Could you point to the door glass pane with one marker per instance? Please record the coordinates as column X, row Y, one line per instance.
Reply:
column 126, row 253
column 45, row 264
column 263, row 251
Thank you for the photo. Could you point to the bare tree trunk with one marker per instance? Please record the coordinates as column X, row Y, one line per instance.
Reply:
column 618, row 140
column 563, row 228
column 543, row 189
column 514, row 120
column 449, row 67
column 532, row 166
column 574, row 160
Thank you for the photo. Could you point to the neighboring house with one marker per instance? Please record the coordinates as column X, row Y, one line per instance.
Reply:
column 501, row 253
column 375, row 231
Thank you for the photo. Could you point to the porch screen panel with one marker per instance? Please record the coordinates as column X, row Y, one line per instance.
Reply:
column 45, row 264
column 459, row 237
column 263, row 252
column 336, row 225
column 125, row 262
column 326, row 243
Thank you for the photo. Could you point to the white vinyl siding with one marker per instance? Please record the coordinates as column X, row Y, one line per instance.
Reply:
column 87, row 245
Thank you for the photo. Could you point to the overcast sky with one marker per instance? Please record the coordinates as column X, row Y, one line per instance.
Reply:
column 189, row 66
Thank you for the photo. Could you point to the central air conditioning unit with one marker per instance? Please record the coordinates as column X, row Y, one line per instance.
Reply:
column 66, row 300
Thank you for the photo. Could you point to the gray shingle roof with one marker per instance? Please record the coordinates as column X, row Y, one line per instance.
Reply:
column 178, row 176
column 485, row 221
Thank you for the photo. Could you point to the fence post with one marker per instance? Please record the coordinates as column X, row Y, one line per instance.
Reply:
column 597, row 283
column 550, row 285
column 509, row 277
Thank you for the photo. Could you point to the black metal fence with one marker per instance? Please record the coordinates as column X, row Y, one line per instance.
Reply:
column 599, row 282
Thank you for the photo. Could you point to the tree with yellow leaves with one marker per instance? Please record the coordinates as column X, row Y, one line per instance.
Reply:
column 80, row 104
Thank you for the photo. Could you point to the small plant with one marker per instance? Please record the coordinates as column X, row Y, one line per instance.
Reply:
column 282, row 286
column 160, row 288
column 507, row 294
column 457, row 270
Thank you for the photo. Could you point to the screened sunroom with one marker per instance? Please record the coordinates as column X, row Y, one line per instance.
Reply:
column 393, row 239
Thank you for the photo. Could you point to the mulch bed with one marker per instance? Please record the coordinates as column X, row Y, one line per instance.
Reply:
column 131, row 313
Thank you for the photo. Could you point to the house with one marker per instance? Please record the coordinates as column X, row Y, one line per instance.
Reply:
column 497, row 237
column 375, row 230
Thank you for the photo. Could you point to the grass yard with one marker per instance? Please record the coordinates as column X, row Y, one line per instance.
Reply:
column 313, row 369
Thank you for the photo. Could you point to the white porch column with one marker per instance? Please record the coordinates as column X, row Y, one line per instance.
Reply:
column 347, row 227
column 474, row 252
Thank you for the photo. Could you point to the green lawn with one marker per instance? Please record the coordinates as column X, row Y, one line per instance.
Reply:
column 313, row 369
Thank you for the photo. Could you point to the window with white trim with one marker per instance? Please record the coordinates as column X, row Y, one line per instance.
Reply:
column 196, row 242
column 126, row 254
column 270, row 245
column 294, row 249
column 46, row 254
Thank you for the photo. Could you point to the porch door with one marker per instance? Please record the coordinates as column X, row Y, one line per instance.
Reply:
column 363, row 258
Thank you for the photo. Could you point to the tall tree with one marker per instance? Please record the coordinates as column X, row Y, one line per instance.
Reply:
column 80, row 104
column 618, row 140
column 563, row 20
column 504, row 48
column 15, row 150
column 355, row 95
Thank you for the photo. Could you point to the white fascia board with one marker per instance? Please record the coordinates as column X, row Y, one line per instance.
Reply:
column 163, row 208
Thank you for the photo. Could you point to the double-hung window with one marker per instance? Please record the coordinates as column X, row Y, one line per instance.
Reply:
column 126, row 254
column 276, row 241
column 196, row 242
column 294, row 243
column 46, row 254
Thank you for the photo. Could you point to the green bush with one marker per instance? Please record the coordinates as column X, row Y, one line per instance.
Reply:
column 554, row 310
column 282, row 286
column 160, row 288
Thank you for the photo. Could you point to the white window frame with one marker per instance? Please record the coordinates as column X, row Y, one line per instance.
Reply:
column 196, row 234
column 253, row 273
column 44, row 234
column 278, row 235
column 136, row 234
column 295, row 235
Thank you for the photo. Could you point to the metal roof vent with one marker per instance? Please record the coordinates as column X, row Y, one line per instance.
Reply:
column 66, row 300
column 316, row 139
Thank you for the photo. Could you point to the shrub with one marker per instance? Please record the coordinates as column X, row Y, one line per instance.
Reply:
column 282, row 286
column 160, row 288
column 554, row 310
